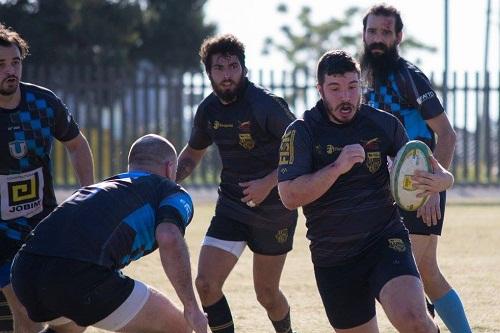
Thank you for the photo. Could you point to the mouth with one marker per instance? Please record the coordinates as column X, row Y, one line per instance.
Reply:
column 227, row 84
column 11, row 80
column 346, row 109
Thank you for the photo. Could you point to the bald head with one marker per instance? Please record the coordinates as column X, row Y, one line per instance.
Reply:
column 152, row 152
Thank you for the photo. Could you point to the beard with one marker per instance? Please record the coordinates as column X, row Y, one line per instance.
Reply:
column 376, row 67
column 7, row 89
column 330, row 109
column 228, row 95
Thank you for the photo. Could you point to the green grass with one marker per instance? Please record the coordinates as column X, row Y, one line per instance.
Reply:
column 469, row 254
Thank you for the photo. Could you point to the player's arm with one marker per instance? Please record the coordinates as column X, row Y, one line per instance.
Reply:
column 446, row 139
column 81, row 158
column 310, row 187
column 257, row 190
column 435, row 116
column 174, row 257
column 187, row 161
column 436, row 181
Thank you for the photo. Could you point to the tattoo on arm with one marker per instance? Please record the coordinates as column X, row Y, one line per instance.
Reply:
column 184, row 169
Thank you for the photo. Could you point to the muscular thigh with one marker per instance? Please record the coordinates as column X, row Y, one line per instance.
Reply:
column 345, row 293
column 265, row 241
column 83, row 292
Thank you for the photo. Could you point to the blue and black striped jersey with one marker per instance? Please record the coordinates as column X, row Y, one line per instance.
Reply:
column 113, row 222
column 407, row 94
column 26, row 138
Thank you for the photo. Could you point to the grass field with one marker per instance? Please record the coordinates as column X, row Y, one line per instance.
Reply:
column 469, row 256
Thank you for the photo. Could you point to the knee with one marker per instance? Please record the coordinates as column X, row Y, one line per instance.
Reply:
column 416, row 322
column 268, row 297
column 205, row 286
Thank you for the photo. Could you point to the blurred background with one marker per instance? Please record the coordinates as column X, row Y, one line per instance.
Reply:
column 129, row 67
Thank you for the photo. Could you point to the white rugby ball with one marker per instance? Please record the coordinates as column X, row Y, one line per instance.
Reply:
column 411, row 157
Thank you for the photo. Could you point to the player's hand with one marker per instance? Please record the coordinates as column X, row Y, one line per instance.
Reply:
column 196, row 319
column 431, row 211
column 255, row 191
column 429, row 183
column 350, row 155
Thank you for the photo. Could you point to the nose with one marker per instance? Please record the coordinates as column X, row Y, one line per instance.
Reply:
column 10, row 70
column 377, row 38
column 344, row 96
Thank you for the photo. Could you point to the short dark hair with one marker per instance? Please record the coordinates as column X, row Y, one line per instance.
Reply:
column 336, row 62
column 384, row 10
column 225, row 44
column 9, row 37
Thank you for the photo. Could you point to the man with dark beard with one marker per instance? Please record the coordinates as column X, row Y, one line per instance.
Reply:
column 246, row 123
column 399, row 87
column 332, row 164
column 30, row 118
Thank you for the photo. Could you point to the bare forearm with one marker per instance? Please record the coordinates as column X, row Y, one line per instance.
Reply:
column 445, row 148
column 272, row 178
column 175, row 261
column 83, row 164
column 187, row 161
column 185, row 167
column 308, row 188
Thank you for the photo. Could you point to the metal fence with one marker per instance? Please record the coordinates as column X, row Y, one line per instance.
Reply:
column 114, row 106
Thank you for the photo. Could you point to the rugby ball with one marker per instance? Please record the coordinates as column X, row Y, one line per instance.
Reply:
column 411, row 157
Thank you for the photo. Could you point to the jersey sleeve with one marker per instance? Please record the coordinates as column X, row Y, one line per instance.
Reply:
column 400, row 137
column 295, row 158
column 425, row 96
column 65, row 127
column 200, row 139
column 275, row 116
column 176, row 208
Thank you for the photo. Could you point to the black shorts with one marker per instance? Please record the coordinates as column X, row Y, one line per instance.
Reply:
column 416, row 226
column 259, row 240
column 51, row 287
column 349, row 291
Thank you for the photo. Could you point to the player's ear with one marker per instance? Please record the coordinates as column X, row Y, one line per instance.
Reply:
column 399, row 37
column 170, row 170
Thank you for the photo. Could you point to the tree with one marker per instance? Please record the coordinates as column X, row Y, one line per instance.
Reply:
column 305, row 47
column 103, row 32
column 172, row 32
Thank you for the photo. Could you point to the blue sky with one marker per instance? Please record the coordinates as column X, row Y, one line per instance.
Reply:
column 253, row 20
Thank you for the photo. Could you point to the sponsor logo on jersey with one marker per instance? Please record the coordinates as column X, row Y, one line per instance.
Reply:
column 330, row 149
column 372, row 144
column 286, row 148
column 21, row 194
column 428, row 95
column 245, row 126
column 18, row 149
column 217, row 124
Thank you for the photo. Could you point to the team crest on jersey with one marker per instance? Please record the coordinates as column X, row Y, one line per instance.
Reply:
column 246, row 141
column 282, row 235
column 373, row 161
column 18, row 149
column 397, row 244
